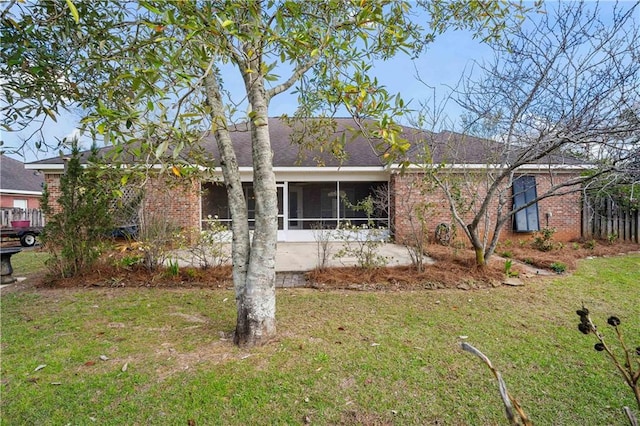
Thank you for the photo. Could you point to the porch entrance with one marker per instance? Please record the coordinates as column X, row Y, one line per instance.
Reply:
column 296, row 207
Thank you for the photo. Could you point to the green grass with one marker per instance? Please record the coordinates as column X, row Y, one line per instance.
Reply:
column 28, row 262
column 341, row 357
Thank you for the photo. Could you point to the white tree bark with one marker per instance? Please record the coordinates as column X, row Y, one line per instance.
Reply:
column 253, row 259
column 256, row 322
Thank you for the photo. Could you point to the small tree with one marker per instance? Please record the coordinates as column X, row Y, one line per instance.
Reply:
column 76, row 226
column 554, row 96
column 412, row 202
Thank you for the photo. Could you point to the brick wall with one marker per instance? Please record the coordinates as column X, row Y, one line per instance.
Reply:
column 53, row 186
column 409, row 192
column 169, row 198
column 176, row 200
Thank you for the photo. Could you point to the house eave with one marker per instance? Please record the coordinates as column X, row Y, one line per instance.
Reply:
column 557, row 168
column 20, row 192
column 346, row 173
column 44, row 167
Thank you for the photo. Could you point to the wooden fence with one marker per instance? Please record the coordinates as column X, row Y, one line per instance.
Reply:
column 7, row 215
column 603, row 219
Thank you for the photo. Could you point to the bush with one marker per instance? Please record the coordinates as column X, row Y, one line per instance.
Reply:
column 365, row 250
column 355, row 244
column 558, row 267
column 543, row 239
column 76, row 228
column 210, row 249
column 156, row 239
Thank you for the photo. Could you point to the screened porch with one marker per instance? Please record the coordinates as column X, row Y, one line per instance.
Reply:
column 307, row 206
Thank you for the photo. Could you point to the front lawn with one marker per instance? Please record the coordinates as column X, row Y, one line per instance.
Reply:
column 112, row 356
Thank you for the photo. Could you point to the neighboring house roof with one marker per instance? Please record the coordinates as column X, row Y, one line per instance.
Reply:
column 291, row 147
column 14, row 178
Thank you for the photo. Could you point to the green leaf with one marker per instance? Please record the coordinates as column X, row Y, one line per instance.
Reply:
column 162, row 148
column 74, row 11
column 51, row 114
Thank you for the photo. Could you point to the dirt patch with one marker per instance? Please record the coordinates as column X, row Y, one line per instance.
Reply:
column 453, row 268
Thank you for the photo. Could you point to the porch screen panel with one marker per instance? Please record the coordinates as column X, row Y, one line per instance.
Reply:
column 356, row 192
column 524, row 192
column 214, row 201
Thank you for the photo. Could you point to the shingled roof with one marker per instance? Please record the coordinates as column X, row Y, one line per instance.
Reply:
column 290, row 150
column 14, row 177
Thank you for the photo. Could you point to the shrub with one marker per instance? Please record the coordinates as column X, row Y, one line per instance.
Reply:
column 363, row 248
column 76, row 228
column 558, row 267
column 543, row 239
column 322, row 236
column 210, row 248
column 156, row 238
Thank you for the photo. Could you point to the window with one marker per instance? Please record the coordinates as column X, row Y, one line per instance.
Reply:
column 524, row 192
column 20, row 204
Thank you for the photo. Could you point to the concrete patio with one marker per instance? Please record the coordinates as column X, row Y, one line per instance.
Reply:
column 302, row 257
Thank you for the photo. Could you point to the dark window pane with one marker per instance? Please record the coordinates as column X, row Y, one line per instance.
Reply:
column 524, row 192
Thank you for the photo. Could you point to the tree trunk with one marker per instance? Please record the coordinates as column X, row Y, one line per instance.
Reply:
column 480, row 260
column 477, row 244
column 256, row 323
column 253, row 263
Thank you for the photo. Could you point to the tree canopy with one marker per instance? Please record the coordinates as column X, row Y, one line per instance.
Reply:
column 151, row 76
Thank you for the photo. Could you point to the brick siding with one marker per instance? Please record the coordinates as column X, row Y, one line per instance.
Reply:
column 560, row 212
column 172, row 199
column 176, row 200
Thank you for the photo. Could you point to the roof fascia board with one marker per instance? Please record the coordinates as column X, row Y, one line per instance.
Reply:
column 47, row 167
column 569, row 168
column 318, row 174
column 19, row 192
column 306, row 174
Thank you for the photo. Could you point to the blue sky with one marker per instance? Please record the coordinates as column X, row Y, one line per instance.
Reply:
column 441, row 64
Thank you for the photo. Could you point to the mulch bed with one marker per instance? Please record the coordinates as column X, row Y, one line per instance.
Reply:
column 453, row 268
